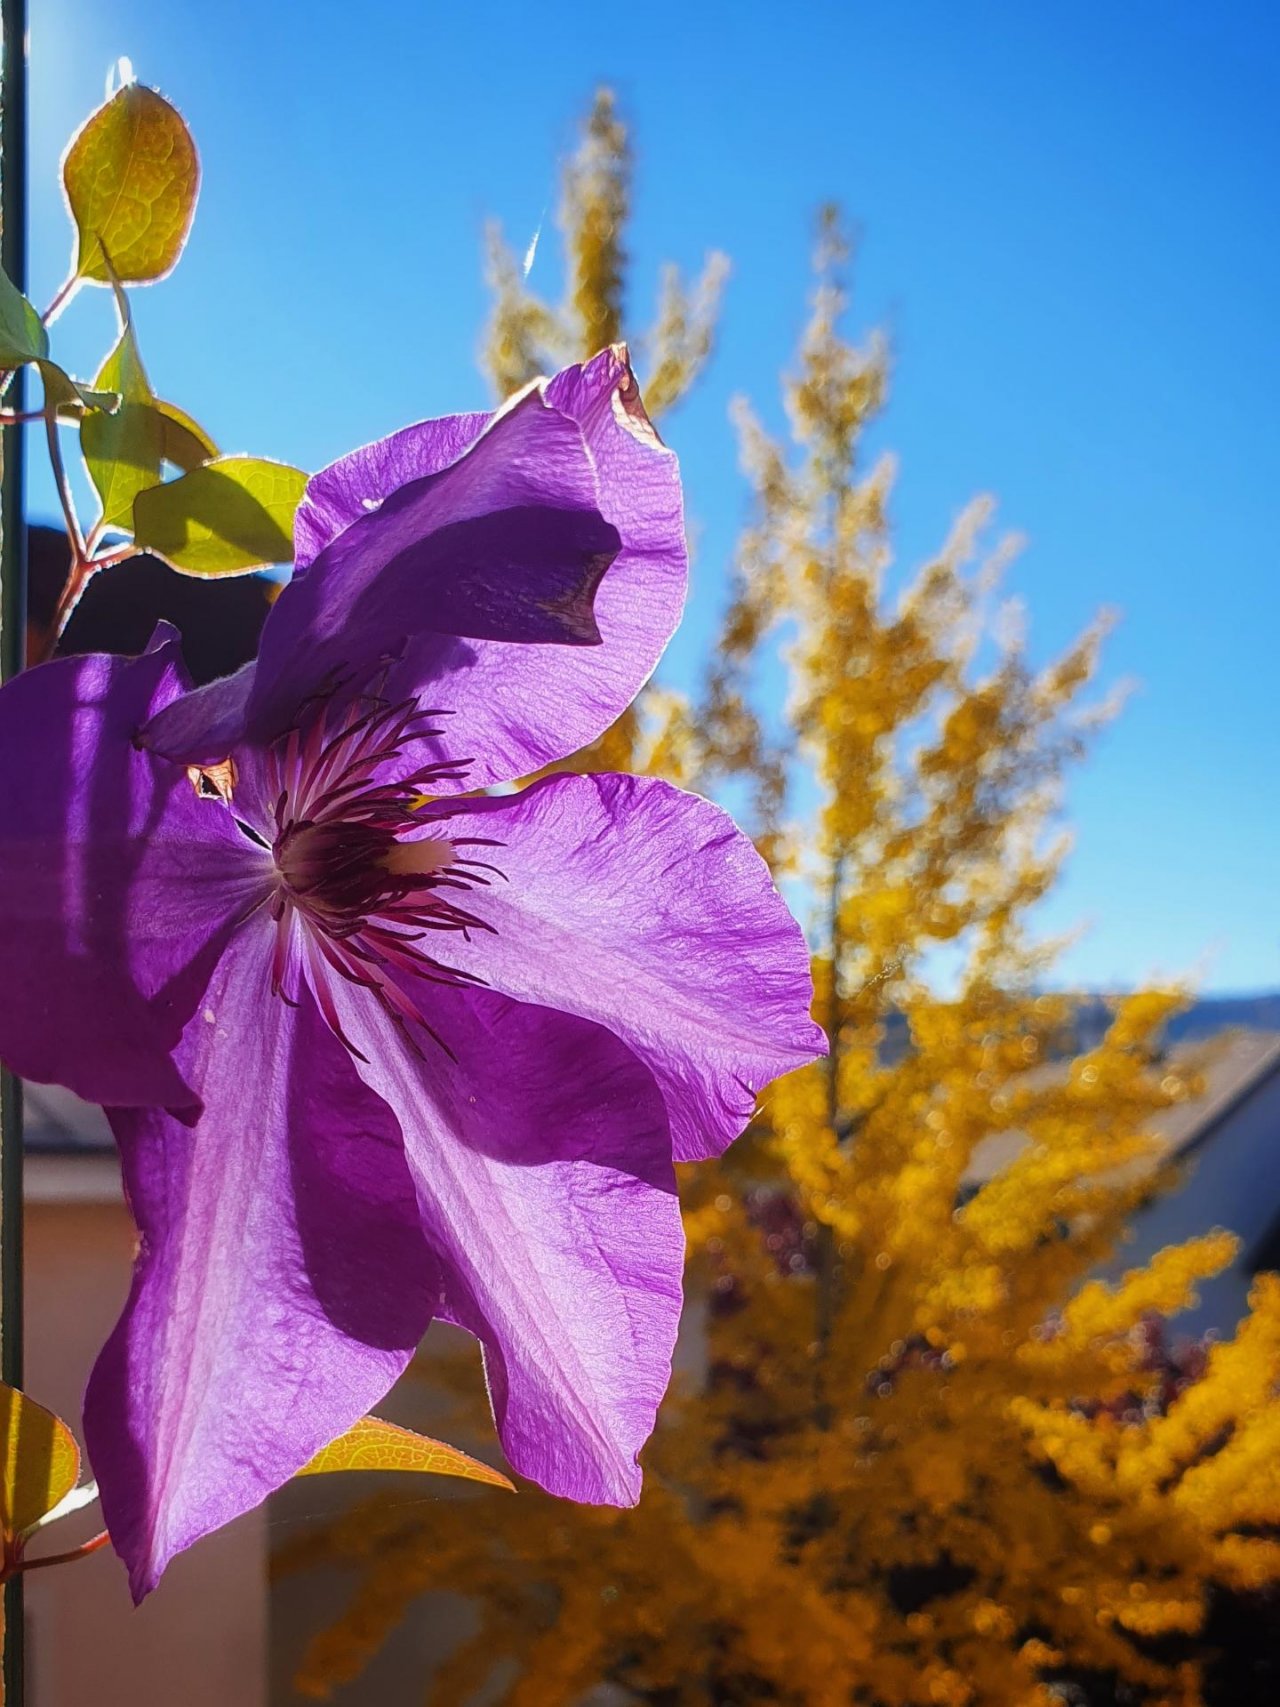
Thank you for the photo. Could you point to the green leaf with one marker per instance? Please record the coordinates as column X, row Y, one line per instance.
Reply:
column 123, row 370
column 123, row 451
column 22, row 335
column 39, row 1461
column 131, row 177
column 186, row 444
column 229, row 516
column 68, row 397
column 83, row 397
column 376, row 1445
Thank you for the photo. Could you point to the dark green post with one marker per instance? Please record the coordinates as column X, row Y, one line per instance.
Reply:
column 13, row 628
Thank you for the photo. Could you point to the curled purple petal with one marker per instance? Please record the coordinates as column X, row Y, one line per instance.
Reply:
column 516, row 709
column 441, row 545
column 506, row 543
column 340, row 494
column 203, row 726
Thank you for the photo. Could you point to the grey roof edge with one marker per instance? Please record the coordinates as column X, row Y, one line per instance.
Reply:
column 1237, row 1091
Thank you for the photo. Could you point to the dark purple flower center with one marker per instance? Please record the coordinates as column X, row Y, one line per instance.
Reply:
column 364, row 886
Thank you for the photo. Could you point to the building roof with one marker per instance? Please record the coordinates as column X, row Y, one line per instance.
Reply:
column 56, row 1122
column 59, row 1123
column 1231, row 1066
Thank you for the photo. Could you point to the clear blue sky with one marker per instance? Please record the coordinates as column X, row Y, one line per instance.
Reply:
column 1070, row 224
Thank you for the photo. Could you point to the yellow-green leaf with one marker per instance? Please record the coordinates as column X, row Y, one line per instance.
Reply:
column 376, row 1445
column 123, row 451
column 123, row 370
column 68, row 398
column 229, row 516
column 22, row 334
column 186, row 444
column 131, row 177
column 40, row 1461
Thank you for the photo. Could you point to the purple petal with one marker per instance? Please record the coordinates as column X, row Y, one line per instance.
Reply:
column 282, row 1282
column 506, row 544
column 418, row 536
column 335, row 497
column 641, row 907
column 117, row 884
column 517, row 709
column 205, row 725
column 542, row 1162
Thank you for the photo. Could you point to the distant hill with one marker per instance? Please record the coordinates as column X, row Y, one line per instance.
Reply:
column 1213, row 1014
column 1204, row 1018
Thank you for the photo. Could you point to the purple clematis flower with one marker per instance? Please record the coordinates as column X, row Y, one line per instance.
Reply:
column 377, row 1050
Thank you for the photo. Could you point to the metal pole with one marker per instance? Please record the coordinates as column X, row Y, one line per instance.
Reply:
column 13, row 631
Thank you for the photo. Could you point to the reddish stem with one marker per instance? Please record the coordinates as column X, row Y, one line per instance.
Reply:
column 82, row 572
column 117, row 554
column 81, row 1552
column 63, row 484
column 65, row 292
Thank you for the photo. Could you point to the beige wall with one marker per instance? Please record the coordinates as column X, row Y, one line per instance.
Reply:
column 200, row 1639
column 306, row 1603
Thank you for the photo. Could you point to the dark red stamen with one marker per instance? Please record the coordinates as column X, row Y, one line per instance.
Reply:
column 360, row 885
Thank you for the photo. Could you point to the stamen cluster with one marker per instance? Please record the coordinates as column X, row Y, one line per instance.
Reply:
column 360, row 887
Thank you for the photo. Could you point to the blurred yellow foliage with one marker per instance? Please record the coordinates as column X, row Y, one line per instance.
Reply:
column 528, row 336
column 925, row 1459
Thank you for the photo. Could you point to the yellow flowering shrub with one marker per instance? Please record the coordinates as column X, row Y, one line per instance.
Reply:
column 922, row 1457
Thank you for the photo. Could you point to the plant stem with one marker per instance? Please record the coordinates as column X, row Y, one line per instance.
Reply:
column 13, row 642
column 83, row 566
column 82, row 572
column 81, row 1552
column 117, row 554
column 71, row 520
column 66, row 291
